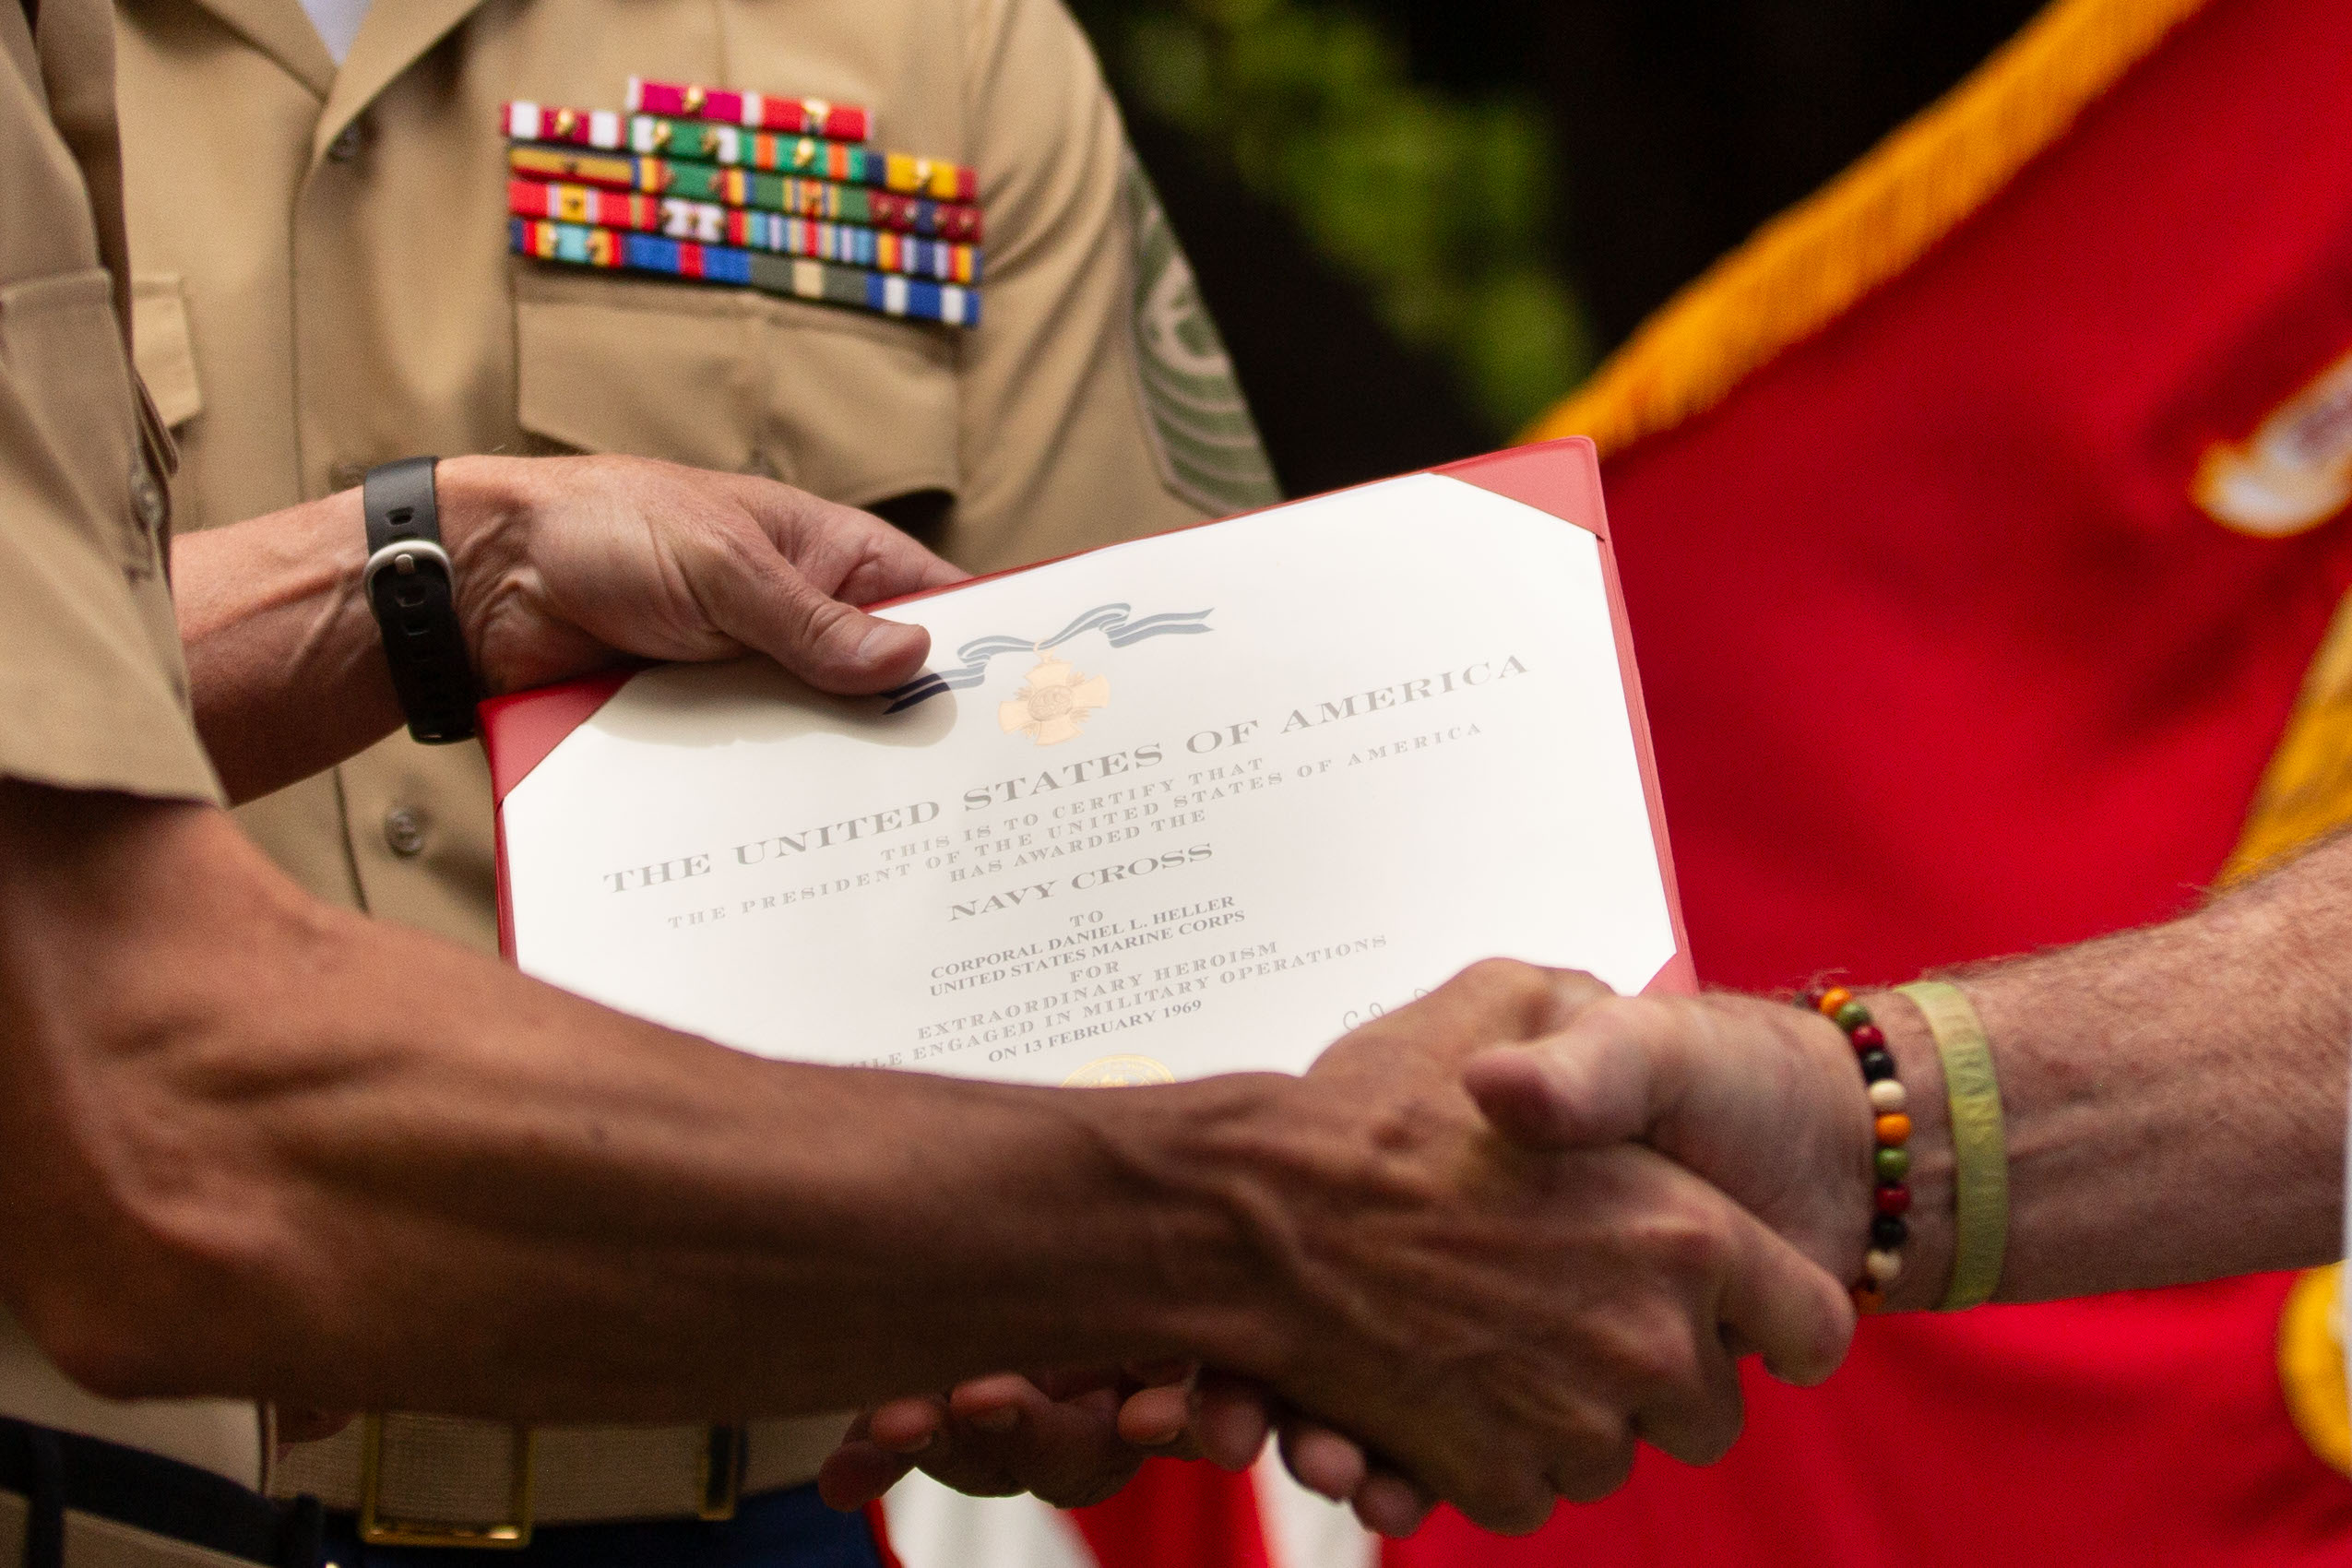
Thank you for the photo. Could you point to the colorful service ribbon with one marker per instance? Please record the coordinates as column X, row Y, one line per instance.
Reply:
column 711, row 224
column 934, row 177
column 739, row 186
column 797, row 116
column 659, row 136
column 794, row 276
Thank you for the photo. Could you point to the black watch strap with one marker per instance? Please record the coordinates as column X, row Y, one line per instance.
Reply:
column 413, row 590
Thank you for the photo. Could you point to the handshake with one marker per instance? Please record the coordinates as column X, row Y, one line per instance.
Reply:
column 1504, row 1233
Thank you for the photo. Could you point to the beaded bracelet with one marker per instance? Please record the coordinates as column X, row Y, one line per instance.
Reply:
column 1890, row 1162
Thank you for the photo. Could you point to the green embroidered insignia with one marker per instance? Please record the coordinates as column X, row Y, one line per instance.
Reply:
column 1208, row 445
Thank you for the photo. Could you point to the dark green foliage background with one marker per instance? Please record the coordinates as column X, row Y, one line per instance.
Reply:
column 1440, row 203
column 1420, row 221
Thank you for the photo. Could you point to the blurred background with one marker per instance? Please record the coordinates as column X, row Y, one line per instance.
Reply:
column 1420, row 221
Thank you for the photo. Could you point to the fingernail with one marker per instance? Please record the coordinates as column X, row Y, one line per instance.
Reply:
column 877, row 643
column 916, row 1446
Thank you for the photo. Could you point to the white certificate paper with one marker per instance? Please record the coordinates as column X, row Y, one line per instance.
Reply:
column 1191, row 804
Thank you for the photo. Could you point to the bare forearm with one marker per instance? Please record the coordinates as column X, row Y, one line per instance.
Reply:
column 285, row 663
column 339, row 1164
column 285, row 667
column 2174, row 1097
column 561, row 566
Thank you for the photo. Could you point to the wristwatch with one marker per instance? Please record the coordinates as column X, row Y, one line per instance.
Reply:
column 411, row 587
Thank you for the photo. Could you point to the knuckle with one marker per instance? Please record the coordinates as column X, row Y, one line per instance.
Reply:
column 1613, row 1015
column 1831, row 1335
column 1496, row 972
column 1582, row 983
column 1590, row 1475
column 821, row 618
column 731, row 546
column 1592, row 1453
column 1621, row 1011
column 811, row 623
column 1686, row 1244
column 1509, row 982
column 1510, row 1506
column 1644, row 1021
column 1726, row 1416
column 1661, row 1363
column 1698, row 1428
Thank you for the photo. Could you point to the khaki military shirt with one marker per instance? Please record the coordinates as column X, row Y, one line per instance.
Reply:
column 93, row 694
column 323, row 284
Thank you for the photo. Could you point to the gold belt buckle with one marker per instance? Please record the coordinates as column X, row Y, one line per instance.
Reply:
column 510, row 1534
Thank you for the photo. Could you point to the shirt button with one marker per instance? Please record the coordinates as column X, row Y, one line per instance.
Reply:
column 146, row 496
column 346, row 144
column 404, row 830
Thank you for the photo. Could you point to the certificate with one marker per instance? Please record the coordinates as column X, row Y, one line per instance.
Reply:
column 1189, row 805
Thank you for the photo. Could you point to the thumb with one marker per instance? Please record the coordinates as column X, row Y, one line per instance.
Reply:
column 764, row 603
column 1609, row 1077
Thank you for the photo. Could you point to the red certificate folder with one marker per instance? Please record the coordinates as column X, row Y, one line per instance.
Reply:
column 1558, row 480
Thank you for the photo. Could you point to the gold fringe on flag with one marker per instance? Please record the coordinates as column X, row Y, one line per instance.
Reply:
column 1805, row 268
column 2306, row 793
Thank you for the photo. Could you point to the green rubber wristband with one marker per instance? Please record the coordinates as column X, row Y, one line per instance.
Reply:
column 1979, row 1146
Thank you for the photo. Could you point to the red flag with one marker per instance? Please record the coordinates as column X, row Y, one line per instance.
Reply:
column 1179, row 1516
column 1171, row 1515
column 1945, row 660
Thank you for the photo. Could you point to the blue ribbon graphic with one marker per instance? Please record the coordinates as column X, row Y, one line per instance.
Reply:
column 1110, row 620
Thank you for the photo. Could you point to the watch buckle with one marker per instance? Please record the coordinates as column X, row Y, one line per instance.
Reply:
column 401, row 557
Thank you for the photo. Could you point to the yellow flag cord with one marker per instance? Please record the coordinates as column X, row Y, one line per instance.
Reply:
column 1804, row 268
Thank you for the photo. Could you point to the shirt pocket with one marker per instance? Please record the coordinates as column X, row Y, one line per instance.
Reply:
column 160, row 341
column 62, row 346
column 855, row 409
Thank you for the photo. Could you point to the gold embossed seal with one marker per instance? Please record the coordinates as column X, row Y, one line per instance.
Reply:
column 1053, row 706
column 1119, row 1073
